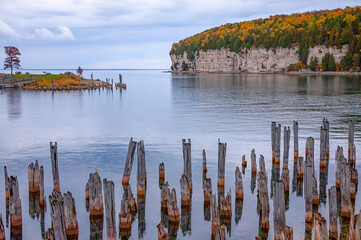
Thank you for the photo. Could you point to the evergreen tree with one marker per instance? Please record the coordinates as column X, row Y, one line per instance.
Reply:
column 313, row 63
column 325, row 61
column 346, row 62
column 356, row 60
column 331, row 63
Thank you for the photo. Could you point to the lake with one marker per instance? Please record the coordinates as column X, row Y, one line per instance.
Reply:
column 93, row 128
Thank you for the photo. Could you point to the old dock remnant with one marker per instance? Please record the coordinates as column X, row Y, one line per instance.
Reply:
column 142, row 172
column 187, row 161
column 129, row 161
column 93, row 190
column 54, row 165
column 222, row 148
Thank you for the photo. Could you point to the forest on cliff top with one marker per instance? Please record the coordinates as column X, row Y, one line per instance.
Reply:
column 326, row 27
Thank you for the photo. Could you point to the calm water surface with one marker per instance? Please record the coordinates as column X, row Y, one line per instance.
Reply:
column 93, row 130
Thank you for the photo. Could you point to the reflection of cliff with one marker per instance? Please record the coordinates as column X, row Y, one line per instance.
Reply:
column 14, row 103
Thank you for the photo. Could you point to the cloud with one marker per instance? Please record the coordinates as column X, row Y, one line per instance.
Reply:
column 7, row 31
column 62, row 33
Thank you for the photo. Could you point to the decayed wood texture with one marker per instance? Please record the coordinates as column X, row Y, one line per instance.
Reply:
column 207, row 189
column 34, row 177
column 351, row 231
column 351, row 145
column 220, row 233
column 109, row 202
column 320, row 229
column 185, row 191
column 6, row 181
column 273, row 140
column 57, row 215
column 14, row 203
column 346, row 207
column 215, row 216
column 285, row 178
column 2, row 229
column 295, row 140
column 71, row 222
column 187, row 161
column 226, row 205
column 132, row 203
column 161, row 172
column 308, row 186
column 287, row 233
column 95, row 195
column 238, row 184
column 354, row 175
column 323, row 147
column 286, row 146
column 129, row 161
column 204, row 161
column 310, row 148
column 125, row 216
column 54, row 165
column 253, row 162
column 332, row 206
column 358, row 226
column 326, row 126
column 262, row 165
column 164, row 193
column 279, row 208
column 278, row 144
column 315, row 197
column 263, row 199
column 42, row 194
column 162, row 234
column 49, row 235
column 300, row 168
column 340, row 160
column 222, row 148
column 142, row 172
column 173, row 210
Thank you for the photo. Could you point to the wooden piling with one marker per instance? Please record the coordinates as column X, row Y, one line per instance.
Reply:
column 285, row 178
column 354, row 176
column 207, row 190
column 238, row 184
column 14, row 203
column 310, row 147
column 253, row 162
column 323, row 148
column 54, row 165
column 279, row 208
column 42, row 195
column 286, row 146
column 320, row 229
column 125, row 216
column 273, row 139
column 340, row 160
column 71, row 222
column 287, row 233
column 204, row 161
column 220, row 233
column 187, row 161
column 351, row 231
column 34, row 177
column 244, row 162
column 57, row 215
column 6, row 181
column 326, row 127
column 263, row 199
column 131, row 199
column 358, row 226
column 142, row 172
column 164, row 193
column 161, row 172
column 162, row 234
column 353, row 190
column 346, row 207
column 295, row 140
column 129, row 161
column 49, row 235
column 278, row 144
column 173, row 210
column 300, row 168
column 332, row 206
column 2, row 229
column 215, row 217
column 185, row 191
column 95, row 194
column 222, row 148
column 226, row 205
column 351, row 134
column 109, row 202
column 315, row 196
column 308, row 187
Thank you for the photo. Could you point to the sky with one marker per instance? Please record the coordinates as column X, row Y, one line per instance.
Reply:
column 124, row 34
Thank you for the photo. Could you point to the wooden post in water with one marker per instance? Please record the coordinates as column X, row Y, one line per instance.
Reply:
column 300, row 168
column 346, row 207
column 308, row 186
column 15, row 203
column 6, row 181
column 320, row 229
column 2, row 229
column 109, row 202
column 129, row 161
column 52, row 84
column 358, row 226
column 332, row 206
column 57, row 215
column 279, row 208
column 340, row 160
column 207, row 190
column 185, row 191
column 323, row 148
column 226, row 205
column 120, row 79
column 273, row 139
column 286, row 146
column 263, row 199
column 351, row 145
column 326, row 127
column 42, row 195
column 162, row 234
column 253, row 162
column 71, row 222
column 125, row 216
column 131, row 200
column 187, row 161
column 95, row 194
column 220, row 233
column 222, row 148
column 315, row 197
column 287, row 233
column 238, row 184
column 285, row 178
column 142, row 172
column 310, row 148
column 164, row 193
column 278, row 144
column 161, row 172
column 215, row 218
column 204, row 161
column 244, row 162
column 173, row 210
column 295, row 140
column 34, row 177
column 54, row 165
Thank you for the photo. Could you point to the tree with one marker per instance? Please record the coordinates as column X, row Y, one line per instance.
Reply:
column 12, row 60
column 331, row 63
column 79, row 71
column 313, row 63
column 346, row 61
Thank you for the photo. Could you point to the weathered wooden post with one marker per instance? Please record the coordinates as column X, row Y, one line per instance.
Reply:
column 244, row 162
column 295, row 140
column 300, row 168
column 226, row 205
column 2, row 229
column 308, row 186
column 52, row 84
column 326, row 127
column 238, row 184
column 95, row 195
column 358, row 226
column 120, row 79
column 310, row 147
column 346, row 207
column 6, row 181
column 34, row 177
column 129, row 161
column 273, row 140
column 161, row 172
column 220, row 233
column 142, row 172
column 57, row 215
column 351, row 145
column 185, row 191
column 187, row 161
column 323, row 148
column 222, row 148
column 263, row 199
column 71, row 222
column 315, row 197
column 162, row 234
column 173, row 210
column 285, row 178
column 54, row 165
column 15, row 203
column 278, row 144
column 279, row 217
column 287, row 233
column 207, row 189
column 354, row 176
column 332, row 206
column 340, row 160
column 253, row 162
column 125, row 216
column 141, row 216
column 320, row 229
column 131, row 199
column 215, row 218
column 204, row 161
column 42, row 195
column 164, row 193
column 286, row 146
column 109, row 201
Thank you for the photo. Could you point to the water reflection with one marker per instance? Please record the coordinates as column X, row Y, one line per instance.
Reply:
column 96, row 227
column 141, row 217
column 238, row 210
column 186, row 220
column 14, row 103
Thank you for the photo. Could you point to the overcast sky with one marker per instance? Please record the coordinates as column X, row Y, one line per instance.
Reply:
column 124, row 33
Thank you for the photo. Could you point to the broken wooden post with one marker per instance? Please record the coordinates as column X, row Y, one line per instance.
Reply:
column 142, row 172
column 226, row 205
column 238, row 184
column 287, row 233
column 34, row 177
column 295, row 140
column 320, row 229
column 42, row 195
column 71, row 222
column 310, row 147
column 215, row 218
column 109, row 202
column 204, row 161
column 323, row 148
column 57, row 215
column 95, row 194
column 340, row 160
column 351, row 134
column 162, row 234
column 315, row 197
column 15, row 203
column 125, row 216
column 354, row 176
column 326, row 127
column 131, row 199
column 279, row 208
column 222, row 148
column 187, row 161
column 263, row 199
column 332, row 206
column 278, row 144
column 300, row 168
column 129, row 161
column 358, row 226
column 161, row 172
column 285, row 178
column 185, row 191
column 244, row 162
column 207, row 189
column 7, row 194
column 253, row 162
column 49, row 235
column 173, row 210
column 220, row 233
column 286, row 146
column 2, row 229
column 346, row 207
column 54, row 165
column 164, row 193
column 308, row 186
column 352, row 190
column 273, row 140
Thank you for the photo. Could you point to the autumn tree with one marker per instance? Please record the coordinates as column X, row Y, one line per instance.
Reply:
column 12, row 58
column 79, row 71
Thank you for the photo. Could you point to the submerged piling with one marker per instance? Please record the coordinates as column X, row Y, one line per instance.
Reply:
column 295, row 140
column 222, row 148
column 54, row 165
column 187, row 161
column 129, row 161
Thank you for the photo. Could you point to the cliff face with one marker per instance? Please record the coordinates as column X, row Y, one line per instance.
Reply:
column 255, row 60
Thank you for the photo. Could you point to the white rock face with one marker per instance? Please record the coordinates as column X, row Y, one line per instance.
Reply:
column 254, row 60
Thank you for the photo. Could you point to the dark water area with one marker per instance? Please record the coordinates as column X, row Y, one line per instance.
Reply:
column 93, row 128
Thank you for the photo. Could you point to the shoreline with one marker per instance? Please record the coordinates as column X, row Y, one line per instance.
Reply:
column 328, row 73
